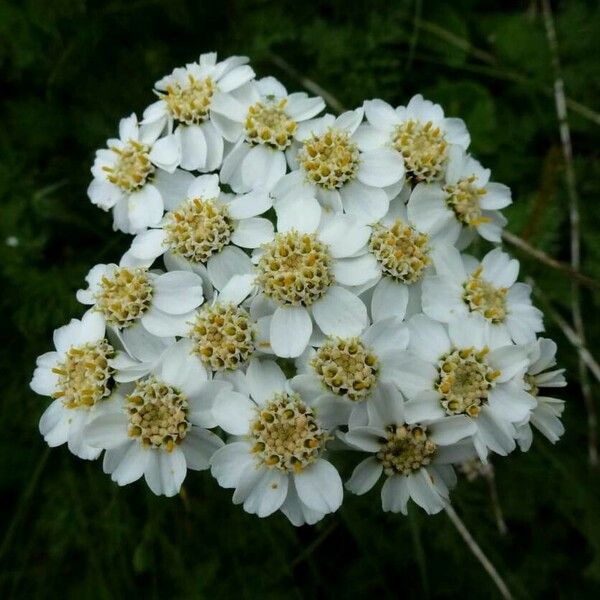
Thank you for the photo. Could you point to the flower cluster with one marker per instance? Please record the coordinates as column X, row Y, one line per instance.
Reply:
column 297, row 286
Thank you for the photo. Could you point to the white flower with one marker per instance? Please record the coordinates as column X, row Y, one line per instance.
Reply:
column 344, row 374
column 545, row 417
column 334, row 167
column 485, row 290
column 467, row 200
column 140, row 299
column 415, row 457
column 187, row 98
column 126, row 175
column 277, row 461
column 158, row 429
column 419, row 133
column 458, row 370
column 201, row 233
column 262, row 120
column 80, row 377
column 297, row 275
column 399, row 252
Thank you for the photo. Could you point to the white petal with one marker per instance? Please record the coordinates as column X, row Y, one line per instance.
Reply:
column 250, row 205
column 381, row 115
column 162, row 324
column 145, row 208
column 319, row 487
column 198, row 448
column 428, row 339
column 214, row 146
column 369, row 204
column 386, row 335
column 177, row 292
column 262, row 491
column 390, row 299
column 107, row 431
column 166, row 153
column 234, row 412
column 339, row 312
column 297, row 212
column 381, row 167
column 424, row 493
column 291, row 327
column 131, row 465
column 425, row 407
column 450, row 430
column 193, row 147
column 229, row 463
column 148, row 244
column 253, row 232
column 165, row 471
column 227, row 263
column 364, row 476
column 173, row 187
column 265, row 378
column 356, row 271
column 395, row 494
column 263, row 167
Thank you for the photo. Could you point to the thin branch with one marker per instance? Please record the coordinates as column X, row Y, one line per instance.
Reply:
column 547, row 260
column 574, row 218
column 569, row 332
column 490, row 477
column 415, row 34
column 478, row 552
column 307, row 83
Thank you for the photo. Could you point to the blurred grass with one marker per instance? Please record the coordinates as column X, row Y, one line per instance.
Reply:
column 69, row 70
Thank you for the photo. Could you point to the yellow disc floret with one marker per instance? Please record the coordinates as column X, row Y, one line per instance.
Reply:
column 125, row 296
column 132, row 168
column 223, row 336
column 464, row 198
column 198, row 229
column 286, row 434
column 295, row 268
column 484, row 298
column 423, row 148
column 347, row 368
column 401, row 250
column 464, row 381
column 267, row 123
column 189, row 102
column 329, row 160
column 85, row 375
column 157, row 414
column 406, row 449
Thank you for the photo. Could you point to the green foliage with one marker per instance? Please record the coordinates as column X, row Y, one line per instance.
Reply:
column 69, row 70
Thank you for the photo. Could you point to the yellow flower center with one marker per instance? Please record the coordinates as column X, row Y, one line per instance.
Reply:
column 329, row 160
column 482, row 297
column 347, row 368
column 133, row 167
column 157, row 414
column 464, row 199
column 125, row 296
column 199, row 229
column 423, row 148
column 223, row 336
column 286, row 434
column 295, row 268
column 267, row 123
column 402, row 252
column 405, row 450
column 190, row 103
column 85, row 376
column 464, row 381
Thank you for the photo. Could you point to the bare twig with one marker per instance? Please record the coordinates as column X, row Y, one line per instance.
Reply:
column 569, row 332
column 307, row 83
column 478, row 552
column 571, row 183
column 547, row 260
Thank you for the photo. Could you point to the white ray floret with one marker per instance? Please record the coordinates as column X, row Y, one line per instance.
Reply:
column 487, row 290
column 262, row 121
column 204, row 232
column 186, row 102
column 80, row 377
column 276, row 462
column 158, row 428
column 414, row 457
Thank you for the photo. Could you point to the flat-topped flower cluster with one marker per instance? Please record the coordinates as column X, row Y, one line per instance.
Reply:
column 297, row 285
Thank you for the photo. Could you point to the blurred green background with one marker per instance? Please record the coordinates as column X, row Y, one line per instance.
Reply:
column 69, row 70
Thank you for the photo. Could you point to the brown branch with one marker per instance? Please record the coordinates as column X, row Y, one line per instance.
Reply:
column 547, row 260
column 574, row 218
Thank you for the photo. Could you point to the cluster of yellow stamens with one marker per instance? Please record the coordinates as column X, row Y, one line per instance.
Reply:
column 423, row 148
column 157, row 414
column 267, row 123
column 329, row 160
column 85, row 375
column 125, row 296
column 464, row 381
column 295, row 268
column 132, row 168
column 464, row 198
column 347, row 368
column 482, row 297
column 189, row 103
column 198, row 229
column 223, row 336
column 401, row 250
column 406, row 449
column 286, row 434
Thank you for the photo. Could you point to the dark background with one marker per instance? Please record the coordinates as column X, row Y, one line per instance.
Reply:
column 69, row 70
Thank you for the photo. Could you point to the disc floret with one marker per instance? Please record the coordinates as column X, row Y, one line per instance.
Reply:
column 132, row 168
column 405, row 450
column 189, row 103
column 464, row 198
column 483, row 297
column 267, row 123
